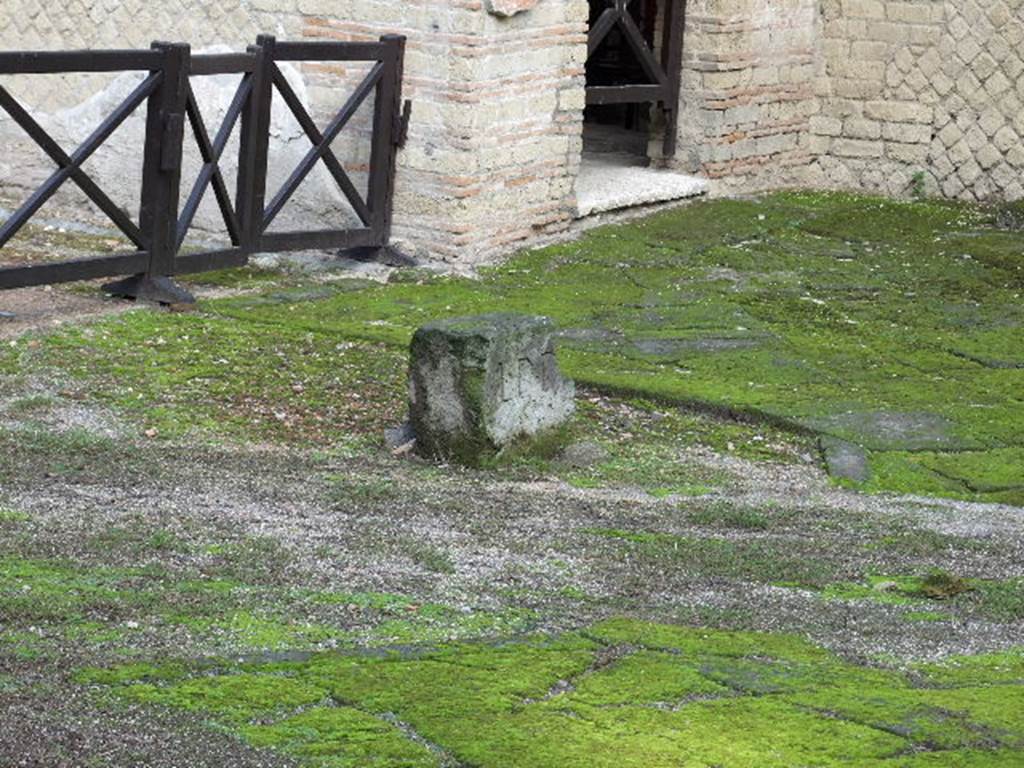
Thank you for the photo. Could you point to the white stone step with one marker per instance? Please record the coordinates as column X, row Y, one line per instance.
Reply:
column 610, row 182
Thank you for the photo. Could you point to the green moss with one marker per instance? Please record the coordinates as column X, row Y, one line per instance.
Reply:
column 246, row 629
column 695, row 641
column 895, row 590
column 345, row 489
column 628, row 693
column 937, row 719
column 137, row 536
column 342, row 737
column 907, row 541
column 240, row 278
column 966, row 758
column 536, row 451
column 37, row 590
column 131, row 673
column 892, row 325
column 927, row 616
column 642, row 678
column 8, row 515
column 252, row 559
column 442, row 624
column 726, row 515
column 968, row 671
column 997, row 600
column 753, row 559
column 236, row 699
column 96, row 607
column 31, row 452
column 180, row 373
column 32, row 404
column 425, row 555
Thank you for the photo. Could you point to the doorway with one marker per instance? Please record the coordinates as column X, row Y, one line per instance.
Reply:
column 619, row 127
column 633, row 71
column 634, row 67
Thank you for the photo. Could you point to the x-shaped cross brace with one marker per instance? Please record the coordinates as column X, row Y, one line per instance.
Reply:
column 211, row 153
column 70, row 166
column 321, row 149
column 617, row 14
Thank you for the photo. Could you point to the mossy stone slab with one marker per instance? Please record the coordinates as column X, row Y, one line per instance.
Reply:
column 478, row 384
column 893, row 430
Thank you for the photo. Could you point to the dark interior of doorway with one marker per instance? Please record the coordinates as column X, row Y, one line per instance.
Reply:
column 619, row 128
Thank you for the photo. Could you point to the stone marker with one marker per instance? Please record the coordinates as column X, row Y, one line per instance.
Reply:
column 479, row 383
column 845, row 461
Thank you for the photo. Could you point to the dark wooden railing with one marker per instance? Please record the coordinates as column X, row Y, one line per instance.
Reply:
column 163, row 222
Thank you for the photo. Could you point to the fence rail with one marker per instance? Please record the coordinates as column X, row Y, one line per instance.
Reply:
column 172, row 115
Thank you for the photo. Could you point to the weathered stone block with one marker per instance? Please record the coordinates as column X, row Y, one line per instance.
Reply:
column 509, row 8
column 479, row 383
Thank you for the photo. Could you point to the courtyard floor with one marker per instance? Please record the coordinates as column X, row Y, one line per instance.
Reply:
column 208, row 558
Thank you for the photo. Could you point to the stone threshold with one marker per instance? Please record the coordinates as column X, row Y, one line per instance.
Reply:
column 611, row 182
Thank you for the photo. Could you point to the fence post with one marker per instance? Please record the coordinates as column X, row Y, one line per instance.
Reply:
column 675, row 21
column 387, row 132
column 254, row 146
column 161, row 182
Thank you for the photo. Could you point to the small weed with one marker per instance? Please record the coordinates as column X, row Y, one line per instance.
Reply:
column 918, row 186
column 921, row 542
column 31, row 404
column 36, row 451
column 254, row 559
column 1001, row 600
column 927, row 616
column 137, row 536
column 344, row 490
column 166, row 541
column 8, row 515
column 940, row 585
column 759, row 561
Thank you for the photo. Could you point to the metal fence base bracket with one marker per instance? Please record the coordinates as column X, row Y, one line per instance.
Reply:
column 158, row 290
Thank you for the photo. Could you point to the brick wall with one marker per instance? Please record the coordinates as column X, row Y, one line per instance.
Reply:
column 748, row 90
column 863, row 94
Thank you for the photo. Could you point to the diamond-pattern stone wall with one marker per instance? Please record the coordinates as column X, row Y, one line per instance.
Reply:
column 922, row 95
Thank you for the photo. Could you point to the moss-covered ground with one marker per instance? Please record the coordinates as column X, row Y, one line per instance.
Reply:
column 208, row 559
column 893, row 326
column 619, row 693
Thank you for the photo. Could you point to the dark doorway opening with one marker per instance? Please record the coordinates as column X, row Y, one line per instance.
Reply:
column 634, row 59
column 619, row 127
column 634, row 68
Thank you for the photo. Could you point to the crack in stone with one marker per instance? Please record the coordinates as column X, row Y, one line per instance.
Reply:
column 448, row 760
column 998, row 365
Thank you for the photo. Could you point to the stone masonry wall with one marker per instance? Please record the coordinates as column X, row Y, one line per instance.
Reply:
column 748, row 90
column 899, row 97
column 496, row 137
column 922, row 92
column 894, row 96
